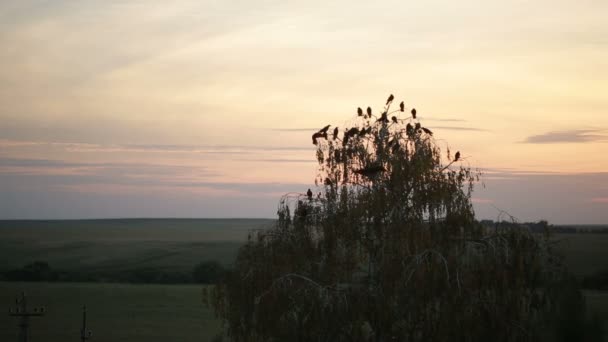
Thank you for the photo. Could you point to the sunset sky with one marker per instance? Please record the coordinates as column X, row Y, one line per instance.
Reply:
column 205, row 108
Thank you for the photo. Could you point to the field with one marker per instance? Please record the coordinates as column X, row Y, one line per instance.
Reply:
column 116, row 312
column 94, row 246
column 123, row 312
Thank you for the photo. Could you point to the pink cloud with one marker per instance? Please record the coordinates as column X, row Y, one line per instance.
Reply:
column 599, row 200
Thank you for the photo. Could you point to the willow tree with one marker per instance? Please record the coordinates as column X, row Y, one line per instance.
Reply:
column 388, row 248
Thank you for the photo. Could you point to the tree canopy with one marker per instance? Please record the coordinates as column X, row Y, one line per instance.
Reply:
column 387, row 248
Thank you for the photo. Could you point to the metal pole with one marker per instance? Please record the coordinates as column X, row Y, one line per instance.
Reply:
column 84, row 333
column 24, row 315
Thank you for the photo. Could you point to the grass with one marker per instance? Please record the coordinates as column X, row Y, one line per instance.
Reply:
column 116, row 312
column 119, row 245
column 584, row 254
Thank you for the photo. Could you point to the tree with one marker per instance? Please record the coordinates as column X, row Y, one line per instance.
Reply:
column 388, row 249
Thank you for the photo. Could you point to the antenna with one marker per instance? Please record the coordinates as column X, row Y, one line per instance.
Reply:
column 85, row 334
column 21, row 311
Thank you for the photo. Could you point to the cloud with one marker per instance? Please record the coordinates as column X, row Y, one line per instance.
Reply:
column 445, row 120
column 573, row 136
column 294, row 129
column 600, row 200
column 151, row 148
column 459, row 128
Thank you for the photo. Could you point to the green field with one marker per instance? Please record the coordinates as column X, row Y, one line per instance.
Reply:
column 116, row 312
column 106, row 246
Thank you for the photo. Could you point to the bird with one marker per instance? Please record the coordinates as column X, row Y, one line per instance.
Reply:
column 359, row 111
column 457, row 156
column 394, row 119
column 351, row 132
column 409, row 129
column 414, row 113
column 324, row 129
column 370, row 171
column 309, row 194
column 335, row 133
column 402, row 106
column 369, row 112
column 390, row 99
column 427, row 131
column 383, row 118
column 317, row 136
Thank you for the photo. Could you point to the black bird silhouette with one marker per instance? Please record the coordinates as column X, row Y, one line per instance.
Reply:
column 383, row 118
column 309, row 194
column 394, row 119
column 324, row 129
column 457, row 156
column 414, row 113
column 402, row 106
column 359, row 111
column 317, row 136
column 390, row 99
column 370, row 171
column 427, row 131
column 335, row 133
column 409, row 129
column 369, row 112
column 351, row 132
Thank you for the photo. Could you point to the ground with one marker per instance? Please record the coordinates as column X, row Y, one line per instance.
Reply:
column 122, row 312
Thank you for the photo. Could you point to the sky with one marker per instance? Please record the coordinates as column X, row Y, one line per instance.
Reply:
column 205, row 108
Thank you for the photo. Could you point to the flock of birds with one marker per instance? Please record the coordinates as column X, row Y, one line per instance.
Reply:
column 372, row 170
column 354, row 131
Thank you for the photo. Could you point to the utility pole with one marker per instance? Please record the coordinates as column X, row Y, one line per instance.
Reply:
column 84, row 333
column 21, row 311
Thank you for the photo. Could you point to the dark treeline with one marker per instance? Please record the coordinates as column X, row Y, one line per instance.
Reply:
column 543, row 226
column 206, row 272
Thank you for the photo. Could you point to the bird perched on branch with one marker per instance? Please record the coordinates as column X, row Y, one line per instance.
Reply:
column 402, row 106
column 324, row 129
column 359, row 111
column 369, row 111
column 370, row 171
column 409, row 129
column 351, row 132
column 394, row 119
column 383, row 118
column 309, row 194
column 364, row 131
column 457, row 156
column 335, row 133
column 390, row 99
column 414, row 113
column 317, row 136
